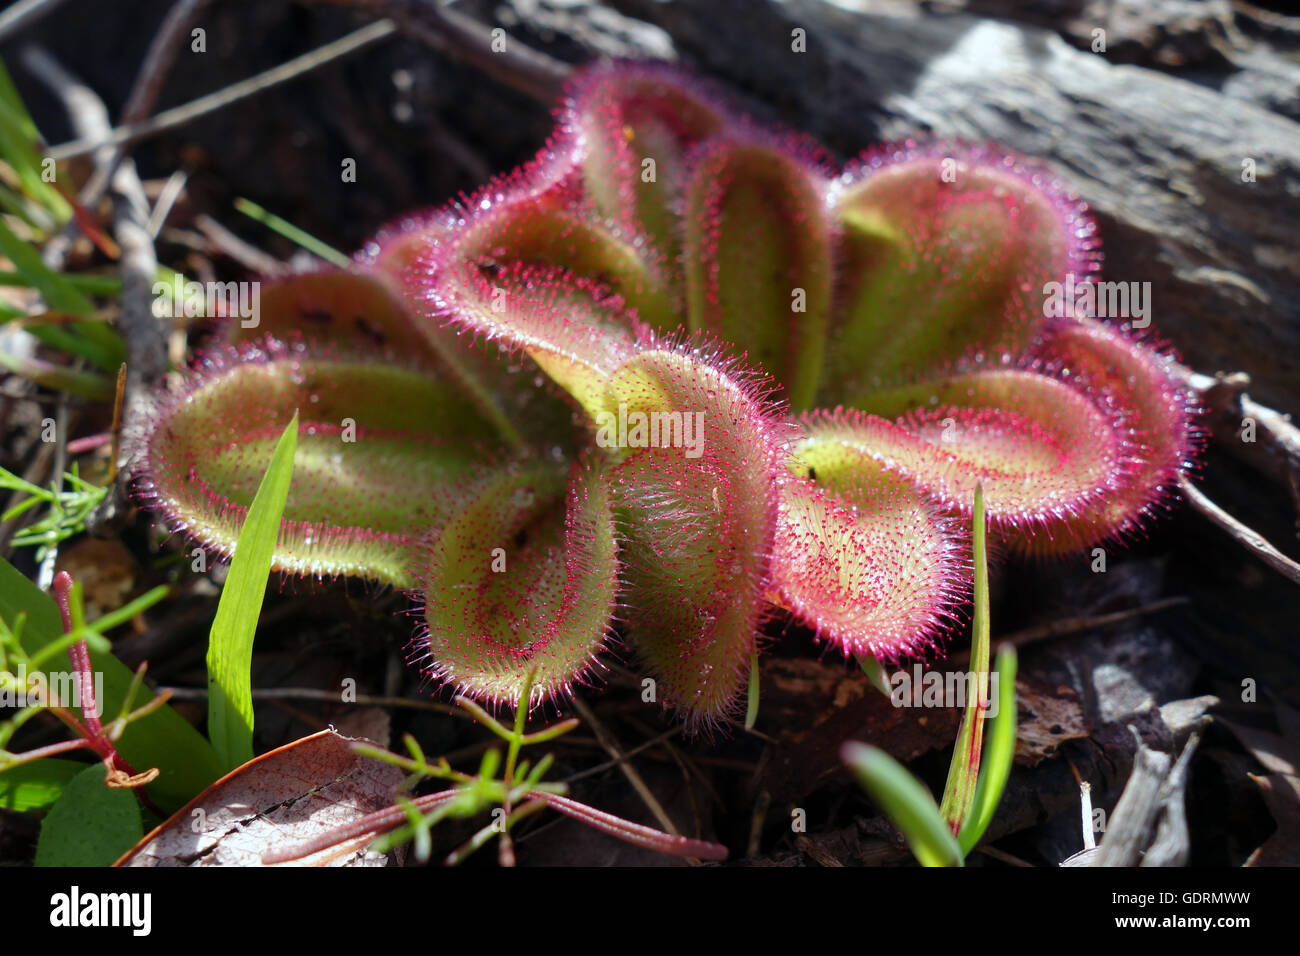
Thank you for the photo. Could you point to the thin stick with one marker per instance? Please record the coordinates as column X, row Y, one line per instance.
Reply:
column 1247, row 537
column 247, row 255
column 148, row 84
column 505, row 59
column 24, row 12
column 162, row 207
column 1076, row 625
column 611, row 746
column 180, row 115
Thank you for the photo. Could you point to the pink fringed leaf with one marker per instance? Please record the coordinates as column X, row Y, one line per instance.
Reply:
column 1156, row 414
column 1047, row 454
column 877, row 570
column 944, row 254
column 522, row 577
column 637, row 123
column 573, row 330
column 757, row 256
column 501, row 234
column 383, row 449
column 698, row 518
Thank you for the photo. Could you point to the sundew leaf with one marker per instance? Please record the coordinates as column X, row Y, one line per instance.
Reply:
column 520, row 581
column 576, row 333
column 1155, row 414
column 875, row 570
column 230, row 643
column 697, row 516
column 1046, row 454
column 944, row 253
column 382, row 452
column 637, row 123
column 360, row 311
column 757, row 258
column 535, row 233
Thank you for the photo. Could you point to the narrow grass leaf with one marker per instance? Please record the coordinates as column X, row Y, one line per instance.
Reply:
column 291, row 232
column 998, row 755
column 906, row 802
column 230, row 646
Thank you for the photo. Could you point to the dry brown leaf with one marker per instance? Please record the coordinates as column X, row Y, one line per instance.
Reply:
column 1049, row 715
column 287, row 796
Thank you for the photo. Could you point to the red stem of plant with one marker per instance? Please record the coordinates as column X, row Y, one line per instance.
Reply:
column 630, row 832
column 79, row 655
column 380, row 821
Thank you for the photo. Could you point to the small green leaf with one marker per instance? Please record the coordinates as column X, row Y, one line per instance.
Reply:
column 57, row 292
column 230, row 645
column 906, row 802
column 91, row 825
column 754, row 697
column 999, row 750
column 36, row 785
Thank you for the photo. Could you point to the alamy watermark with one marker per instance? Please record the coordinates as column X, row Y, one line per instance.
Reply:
column 1093, row 300
column 651, row 430
column 923, row 688
column 47, row 689
column 241, row 300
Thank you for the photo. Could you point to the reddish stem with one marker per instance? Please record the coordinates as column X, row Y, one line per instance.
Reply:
column 630, row 832
column 79, row 655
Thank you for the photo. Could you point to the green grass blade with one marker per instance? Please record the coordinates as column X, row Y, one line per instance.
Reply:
column 84, row 340
column 230, row 646
column 89, row 284
column 1000, row 751
column 751, row 705
column 291, row 232
column 875, row 672
column 906, row 802
column 60, row 378
column 963, row 772
column 57, row 292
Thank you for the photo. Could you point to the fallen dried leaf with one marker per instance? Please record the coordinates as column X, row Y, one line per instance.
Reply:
column 289, row 795
column 1049, row 715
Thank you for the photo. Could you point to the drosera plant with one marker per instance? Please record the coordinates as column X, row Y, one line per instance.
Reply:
column 508, row 789
column 946, row 833
column 675, row 375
